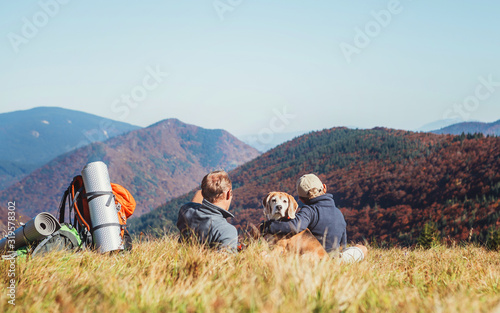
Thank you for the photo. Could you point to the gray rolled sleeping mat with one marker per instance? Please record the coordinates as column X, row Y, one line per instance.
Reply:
column 38, row 228
column 103, row 214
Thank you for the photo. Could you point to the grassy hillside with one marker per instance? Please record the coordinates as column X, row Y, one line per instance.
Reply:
column 388, row 183
column 162, row 275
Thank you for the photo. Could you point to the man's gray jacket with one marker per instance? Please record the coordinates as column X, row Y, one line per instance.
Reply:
column 207, row 222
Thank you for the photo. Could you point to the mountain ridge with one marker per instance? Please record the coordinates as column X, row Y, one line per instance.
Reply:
column 155, row 163
column 31, row 138
column 492, row 129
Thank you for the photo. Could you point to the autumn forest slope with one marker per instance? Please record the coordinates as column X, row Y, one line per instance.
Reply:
column 388, row 183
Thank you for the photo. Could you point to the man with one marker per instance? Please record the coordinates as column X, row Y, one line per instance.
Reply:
column 205, row 216
column 321, row 217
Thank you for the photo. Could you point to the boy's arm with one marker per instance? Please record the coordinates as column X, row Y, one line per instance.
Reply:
column 299, row 223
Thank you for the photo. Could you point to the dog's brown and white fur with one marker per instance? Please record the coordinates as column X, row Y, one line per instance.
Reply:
column 279, row 206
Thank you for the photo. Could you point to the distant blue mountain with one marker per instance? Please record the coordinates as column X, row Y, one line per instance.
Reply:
column 31, row 138
column 438, row 125
column 471, row 128
column 266, row 142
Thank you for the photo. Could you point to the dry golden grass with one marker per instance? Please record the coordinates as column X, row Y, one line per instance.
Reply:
column 164, row 276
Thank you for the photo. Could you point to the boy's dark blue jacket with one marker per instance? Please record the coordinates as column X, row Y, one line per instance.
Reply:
column 322, row 217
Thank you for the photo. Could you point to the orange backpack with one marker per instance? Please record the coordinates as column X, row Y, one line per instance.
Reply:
column 123, row 199
column 77, row 201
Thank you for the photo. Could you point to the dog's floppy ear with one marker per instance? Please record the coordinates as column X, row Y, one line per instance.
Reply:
column 265, row 204
column 292, row 206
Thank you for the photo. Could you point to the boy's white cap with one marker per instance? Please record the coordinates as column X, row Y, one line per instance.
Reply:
column 306, row 183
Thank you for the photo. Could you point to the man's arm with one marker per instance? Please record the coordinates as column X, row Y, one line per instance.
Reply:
column 299, row 223
column 198, row 197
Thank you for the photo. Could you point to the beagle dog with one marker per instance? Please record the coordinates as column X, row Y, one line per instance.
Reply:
column 279, row 205
column 282, row 206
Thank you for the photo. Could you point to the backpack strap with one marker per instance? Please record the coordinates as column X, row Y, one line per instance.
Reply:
column 70, row 236
column 105, row 225
column 75, row 205
column 62, row 206
column 92, row 195
column 71, row 197
column 43, row 242
column 86, row 237
column 61, row 232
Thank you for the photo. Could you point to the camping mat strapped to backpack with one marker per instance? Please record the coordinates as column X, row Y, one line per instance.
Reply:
column 106, row 227
column 38, row 228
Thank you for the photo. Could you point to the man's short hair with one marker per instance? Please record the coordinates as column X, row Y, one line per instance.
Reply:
column 214, row 185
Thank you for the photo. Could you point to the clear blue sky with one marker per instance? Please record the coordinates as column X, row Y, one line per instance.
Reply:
column 232, row 64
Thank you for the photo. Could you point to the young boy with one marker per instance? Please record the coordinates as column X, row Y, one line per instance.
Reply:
column 321, row 217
